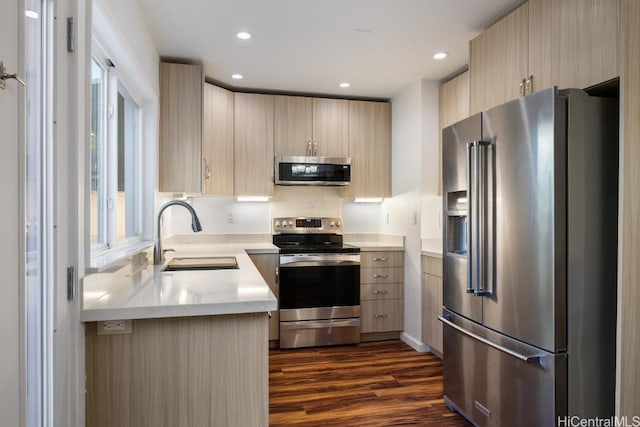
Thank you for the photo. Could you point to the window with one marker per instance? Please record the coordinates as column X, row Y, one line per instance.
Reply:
column 119, row 181
column 115, row 159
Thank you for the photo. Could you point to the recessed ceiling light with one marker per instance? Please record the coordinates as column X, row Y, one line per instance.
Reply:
column 237, row 76
column 31, row 14
column 345, row 84
column 440, row 55
column 243, row 35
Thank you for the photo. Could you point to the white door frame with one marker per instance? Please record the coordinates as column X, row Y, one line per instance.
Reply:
column 71, row 119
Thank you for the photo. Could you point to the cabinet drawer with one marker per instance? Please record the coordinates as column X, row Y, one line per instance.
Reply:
column 432, row 265
column 381, row 259
column 382, row 315
column 381, row 275
column 382, row 291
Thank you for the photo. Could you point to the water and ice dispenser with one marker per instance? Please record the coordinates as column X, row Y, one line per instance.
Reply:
column 457, row 208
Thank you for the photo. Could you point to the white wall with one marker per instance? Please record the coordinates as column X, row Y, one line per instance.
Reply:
column 431, row 203
column 414, row 155
column 306, row 201
column 214, row 215
column 361, row 218
column 228, row 216
column 126, row 20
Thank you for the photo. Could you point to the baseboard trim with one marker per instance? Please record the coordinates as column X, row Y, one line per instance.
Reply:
column 414, row 343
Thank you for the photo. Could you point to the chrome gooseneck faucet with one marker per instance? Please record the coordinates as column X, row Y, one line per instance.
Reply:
column 158, row 253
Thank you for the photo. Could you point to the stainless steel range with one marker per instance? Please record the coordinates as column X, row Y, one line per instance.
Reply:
column 319, row 283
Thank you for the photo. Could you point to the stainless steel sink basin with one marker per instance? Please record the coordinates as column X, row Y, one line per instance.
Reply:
column 202, row 263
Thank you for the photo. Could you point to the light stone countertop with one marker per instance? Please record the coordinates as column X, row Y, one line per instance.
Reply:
column 375, row 242
column 148, row 292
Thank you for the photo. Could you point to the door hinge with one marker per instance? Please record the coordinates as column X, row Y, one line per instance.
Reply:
column 71, row 283
column 71, row 34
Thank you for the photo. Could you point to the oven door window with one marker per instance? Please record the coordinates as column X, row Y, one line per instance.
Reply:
column 319, row 286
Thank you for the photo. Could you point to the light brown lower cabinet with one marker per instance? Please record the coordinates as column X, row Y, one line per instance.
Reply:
column 432, row 303
column 381, row 292
column 186, row 371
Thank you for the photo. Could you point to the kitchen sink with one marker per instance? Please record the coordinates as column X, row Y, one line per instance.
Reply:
column 202, row 263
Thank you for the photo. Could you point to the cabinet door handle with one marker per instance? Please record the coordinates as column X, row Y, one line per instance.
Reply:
column 277, row 274
column 521, row 88
column 380, row 316
column 379, row 276
column 309, row 149
column 315, row 148
column 383, row 259
column 529, row 86
column 207, row 169
column 376, row 292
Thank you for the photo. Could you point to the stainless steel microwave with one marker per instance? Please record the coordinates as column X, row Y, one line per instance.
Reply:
column 303, row 170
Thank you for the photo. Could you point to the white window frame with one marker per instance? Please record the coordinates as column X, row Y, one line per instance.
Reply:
column 110, row 48
column 114, row 86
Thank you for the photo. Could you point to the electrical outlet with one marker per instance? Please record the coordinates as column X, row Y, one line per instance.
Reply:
column 114, row 327
column 230, row 218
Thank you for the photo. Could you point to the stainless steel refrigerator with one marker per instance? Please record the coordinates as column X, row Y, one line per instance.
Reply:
column 529, row 260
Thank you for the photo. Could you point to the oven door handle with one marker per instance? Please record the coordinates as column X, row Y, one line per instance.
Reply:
column 291, row 264
column 320, row 324
column 313, row 260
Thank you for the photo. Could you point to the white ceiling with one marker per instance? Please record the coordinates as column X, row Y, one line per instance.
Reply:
column 310, row 46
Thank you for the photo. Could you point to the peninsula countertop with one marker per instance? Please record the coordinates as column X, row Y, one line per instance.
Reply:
column 148, row 292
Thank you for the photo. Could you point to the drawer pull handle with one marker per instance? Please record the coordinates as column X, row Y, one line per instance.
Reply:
column 378, row 276
column 383, row 259
column 381, row 316
column 376, row 292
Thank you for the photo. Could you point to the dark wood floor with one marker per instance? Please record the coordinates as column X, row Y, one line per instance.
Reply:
column 377, row 384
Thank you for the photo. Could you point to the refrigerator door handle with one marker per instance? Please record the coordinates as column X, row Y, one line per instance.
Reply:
column 533, row 358
column 483, row 218
column 470, row 217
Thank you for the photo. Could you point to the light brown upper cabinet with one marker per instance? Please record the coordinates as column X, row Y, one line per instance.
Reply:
column 498, row 61
column 253, row 144
column 370, row 149
column 311, row 126
column 331, row 127
column 180, row 147
column 293, row 125
column 573, row 43
column 217, row 141
column 453, row 107
column 544, row 43
column 454, row 100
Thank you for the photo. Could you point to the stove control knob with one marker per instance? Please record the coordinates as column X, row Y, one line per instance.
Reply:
column 338, row 224
column 277, row 225
column 332, row 224
column 290, row 223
